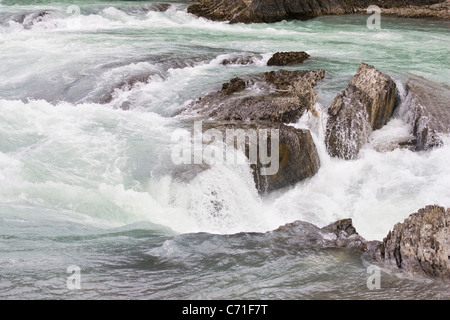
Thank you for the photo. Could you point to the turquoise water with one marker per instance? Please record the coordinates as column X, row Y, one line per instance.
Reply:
column 84, row 182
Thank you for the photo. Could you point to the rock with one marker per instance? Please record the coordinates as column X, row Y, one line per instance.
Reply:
column 298, row 158
column 439, row 11
column 340, row 234
column 161, row 7
column 421, row 244
column 218, row 10
column 367, row 104
column 281, row 98
column 28, row 20
column 277, row 101
column 345, row 235
column 244, row 59
column 428, row 112
column 287, row 58
column 268, row 11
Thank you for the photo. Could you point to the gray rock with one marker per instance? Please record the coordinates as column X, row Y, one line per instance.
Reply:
column 367, row 104
column 298, row 158
column 419, row 245
column 258, row 11
column 277, row 99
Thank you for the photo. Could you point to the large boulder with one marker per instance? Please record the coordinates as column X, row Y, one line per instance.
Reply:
column 367, row 104
column 428, row 112
column 419, row 245
column 283, row 96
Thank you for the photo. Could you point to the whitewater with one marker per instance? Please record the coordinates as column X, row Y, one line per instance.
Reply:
column 89, row 98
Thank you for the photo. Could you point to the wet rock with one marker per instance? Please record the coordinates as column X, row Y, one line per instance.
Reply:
column 258, row 11
column 439, row 11
column 278, row 96
column 297, row 156
column 218, row 10
column 340, row 234
column 265, row 102
column 161, row 7
column 28, row 20
column 428, row 112
column 419, row 245
column 343, row 234
column 367, row 104
column 287, row 58
column 245, row 59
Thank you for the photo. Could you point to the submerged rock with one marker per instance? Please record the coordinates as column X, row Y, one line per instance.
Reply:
column 287, row 58
column 367, row 104
column 428, row 112
column 419, row 245
column 243, row 59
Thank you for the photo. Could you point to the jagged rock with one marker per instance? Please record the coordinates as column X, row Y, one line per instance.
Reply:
column 277, row 100
column 280, row 98
column 419, row 245
column 367, row 104
column 287, row 58
column 429, row 113
column 257, row 11
column 344, row 235
column 340, row 234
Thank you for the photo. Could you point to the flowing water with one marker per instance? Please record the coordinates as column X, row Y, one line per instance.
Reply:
column 88, row 98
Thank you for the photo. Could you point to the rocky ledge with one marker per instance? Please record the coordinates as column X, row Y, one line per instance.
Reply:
column 419, row 246
column 270, row 100
column 258, row 11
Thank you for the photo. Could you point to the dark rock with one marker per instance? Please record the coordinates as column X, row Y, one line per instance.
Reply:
column 278, row 102
column 367, row 104
column 235, row 85
column 428, row 112
column 419, row 245
column 298, row 158
column 218, row 10
column 258, row 11
column 287, row 58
